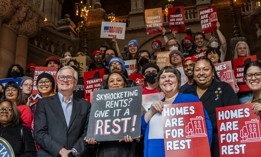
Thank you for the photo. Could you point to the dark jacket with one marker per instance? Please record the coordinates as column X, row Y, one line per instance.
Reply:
column 21, row 140
column 50, row 128
column 218, row 94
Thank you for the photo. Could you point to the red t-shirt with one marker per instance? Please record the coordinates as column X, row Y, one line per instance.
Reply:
column 149, row 91
column 137, row 78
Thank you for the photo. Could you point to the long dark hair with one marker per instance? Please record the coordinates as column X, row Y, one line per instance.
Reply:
column 127, row 82
column 20, row 98
column 16, row 118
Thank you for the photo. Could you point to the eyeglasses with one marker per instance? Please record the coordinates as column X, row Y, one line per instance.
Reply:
column 11, row 90
column 115, row 64
column 98, row 56
column 6, row 108
column 63, row 77
column 249, row 76
column 46, row 82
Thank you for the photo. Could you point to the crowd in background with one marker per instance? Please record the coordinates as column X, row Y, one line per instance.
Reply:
column 34, row 128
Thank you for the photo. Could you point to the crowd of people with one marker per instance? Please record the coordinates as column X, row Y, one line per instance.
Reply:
column 57, row 124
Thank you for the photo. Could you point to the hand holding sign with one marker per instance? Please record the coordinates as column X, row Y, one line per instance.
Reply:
column 115, row 114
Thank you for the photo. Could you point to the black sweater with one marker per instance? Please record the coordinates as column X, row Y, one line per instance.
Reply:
column 22, row 142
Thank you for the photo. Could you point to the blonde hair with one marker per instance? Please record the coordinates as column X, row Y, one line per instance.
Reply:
column 236, row 47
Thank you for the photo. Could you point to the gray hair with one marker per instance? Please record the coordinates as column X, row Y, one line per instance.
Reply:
column 238, row 43
column 75, row 73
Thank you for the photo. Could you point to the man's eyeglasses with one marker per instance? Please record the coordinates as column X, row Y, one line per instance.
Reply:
column 6, row 108
column 115, row 63
column 63, row 77
column 46, row 82
column 249, row 76
column 98, row 56
column 11, row 90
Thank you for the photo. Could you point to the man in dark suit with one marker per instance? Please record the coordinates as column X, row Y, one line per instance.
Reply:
column 61, row 120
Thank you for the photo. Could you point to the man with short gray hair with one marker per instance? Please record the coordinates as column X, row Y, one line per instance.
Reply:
column 61, row 120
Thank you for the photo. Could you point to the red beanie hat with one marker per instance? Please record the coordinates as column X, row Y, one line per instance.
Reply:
column 157, row 41
column 193, row 59
column 188, row 37
column 96, row 52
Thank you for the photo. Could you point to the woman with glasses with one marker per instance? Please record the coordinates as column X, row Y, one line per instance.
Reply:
column 45, row 85
column 252, row 74
column 11, row 129
column 212, row 93
column 14, row 93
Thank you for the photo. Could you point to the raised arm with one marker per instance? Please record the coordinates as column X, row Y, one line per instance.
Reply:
column 223, row 42
column 116, row 46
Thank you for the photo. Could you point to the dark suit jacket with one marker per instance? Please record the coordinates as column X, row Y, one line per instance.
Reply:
column 51, row 131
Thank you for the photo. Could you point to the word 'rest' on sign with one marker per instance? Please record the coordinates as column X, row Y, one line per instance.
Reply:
column 185, row 132
column 239, row 131
column 115, row 113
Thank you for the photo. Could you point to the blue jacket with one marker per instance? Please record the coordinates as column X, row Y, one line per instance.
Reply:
column 159, row 143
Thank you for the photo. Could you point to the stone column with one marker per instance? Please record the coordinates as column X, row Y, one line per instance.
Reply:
column 133, row 5
column 21, row 50
column 27, row 29
column 140, row 5
column 7, row 49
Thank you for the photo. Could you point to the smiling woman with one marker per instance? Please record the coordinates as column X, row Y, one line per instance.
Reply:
column 45, row 84
column 213, row 93
column 252, row 74
column 19, row 137
column 14, row 93
column 169, row 80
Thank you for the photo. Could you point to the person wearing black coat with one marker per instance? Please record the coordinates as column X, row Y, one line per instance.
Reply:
column 11, row 129
column 212, row 93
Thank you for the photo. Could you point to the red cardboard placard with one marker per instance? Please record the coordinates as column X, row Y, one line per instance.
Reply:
column 176, row 18
column 208, row 17
column 239, row 65
column 238, row 131
column 92, row 81
column 226, row 73
column 185, row 132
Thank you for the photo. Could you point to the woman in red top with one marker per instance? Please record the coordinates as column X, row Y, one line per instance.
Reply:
column 14, row 93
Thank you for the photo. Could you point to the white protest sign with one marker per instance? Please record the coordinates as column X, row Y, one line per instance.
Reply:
column 111, row 29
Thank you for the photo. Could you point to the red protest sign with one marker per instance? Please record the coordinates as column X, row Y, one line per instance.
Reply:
column 154, row 20
column 226, row 73
column 185, row 132
column 239, row 65
column 238, row 131
column 208, row 17
column 38, row 70
column 176, row 18
column 92, row 81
